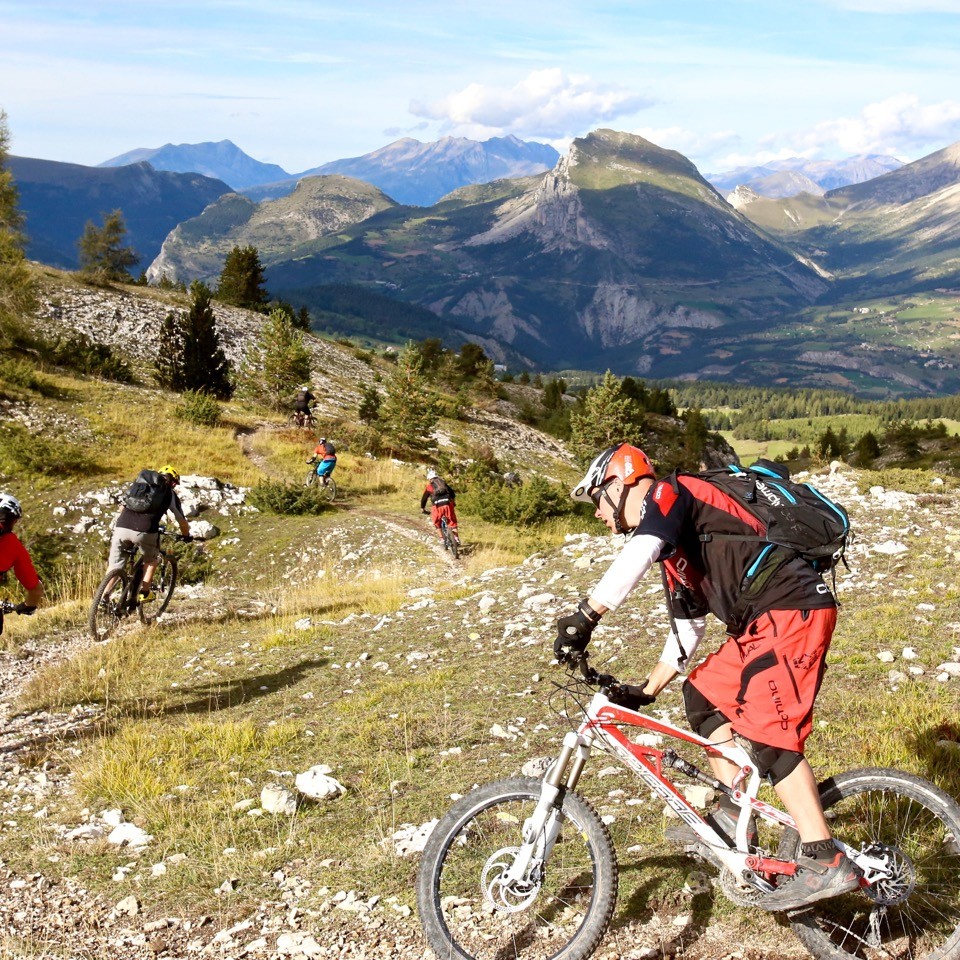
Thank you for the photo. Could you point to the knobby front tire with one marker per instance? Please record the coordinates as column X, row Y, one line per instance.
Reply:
column 916, row 913
column 164, row 581
column 107, row 610
column 567, row 918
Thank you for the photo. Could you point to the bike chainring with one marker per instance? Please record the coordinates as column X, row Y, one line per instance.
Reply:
column 514, row 897
column 738, row 891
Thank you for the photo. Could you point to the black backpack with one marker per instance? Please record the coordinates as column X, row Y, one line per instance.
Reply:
column 796, row 516
column 147, row 494
column 441, row 492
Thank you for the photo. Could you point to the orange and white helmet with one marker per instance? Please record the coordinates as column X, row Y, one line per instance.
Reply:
column 621, row 462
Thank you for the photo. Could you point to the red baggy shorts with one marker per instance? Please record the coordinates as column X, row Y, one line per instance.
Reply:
column 766, row 680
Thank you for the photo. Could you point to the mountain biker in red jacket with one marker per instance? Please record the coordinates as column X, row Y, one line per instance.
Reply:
column 14, row 555
column 761, row 684
column 442, row 499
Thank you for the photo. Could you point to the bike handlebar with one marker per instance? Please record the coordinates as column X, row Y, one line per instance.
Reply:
column 623, row 694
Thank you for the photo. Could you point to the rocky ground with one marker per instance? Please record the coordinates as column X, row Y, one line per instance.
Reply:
column 42, row 916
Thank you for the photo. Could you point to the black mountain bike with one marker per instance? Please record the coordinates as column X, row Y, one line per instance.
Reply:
column 328, row 484
column 118, row 595
column 450, row 539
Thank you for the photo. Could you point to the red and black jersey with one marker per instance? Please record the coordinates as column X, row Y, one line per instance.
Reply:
column 735, row 580
column 13, row 555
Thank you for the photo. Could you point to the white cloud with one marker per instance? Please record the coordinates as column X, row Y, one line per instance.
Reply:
column 898, row 125
column 899, row 6
column 546, row 103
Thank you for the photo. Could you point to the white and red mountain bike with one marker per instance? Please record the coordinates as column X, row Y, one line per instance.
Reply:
column 526, row 868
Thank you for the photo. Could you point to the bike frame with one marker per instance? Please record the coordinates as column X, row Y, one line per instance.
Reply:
column 601, row 725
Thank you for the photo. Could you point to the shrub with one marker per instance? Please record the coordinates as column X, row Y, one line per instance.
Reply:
column 78, row 352
column 21, row 373
column 199, row 408
column 287, row 498
column 22, row 452
column 534, row 502
column 363, row 439
column 194, row 564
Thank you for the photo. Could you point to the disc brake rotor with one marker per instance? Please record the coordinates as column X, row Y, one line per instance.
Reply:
column 508, row 897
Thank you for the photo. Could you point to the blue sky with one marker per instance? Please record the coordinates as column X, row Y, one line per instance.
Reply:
column 302, row 82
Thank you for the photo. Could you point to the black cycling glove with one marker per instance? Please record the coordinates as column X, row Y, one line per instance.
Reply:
column 573, row 634
column 24, row 609
column 632, row 697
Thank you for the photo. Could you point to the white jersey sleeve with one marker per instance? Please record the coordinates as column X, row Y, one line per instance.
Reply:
column 637, row 557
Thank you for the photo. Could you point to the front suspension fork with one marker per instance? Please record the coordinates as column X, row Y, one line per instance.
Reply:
column 542, row 827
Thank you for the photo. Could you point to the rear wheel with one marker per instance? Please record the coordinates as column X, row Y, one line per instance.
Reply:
column 164, row 580
column 109, row 602
column 471, row 909
column 450, row 539
column 911, row 907
column 330, row 489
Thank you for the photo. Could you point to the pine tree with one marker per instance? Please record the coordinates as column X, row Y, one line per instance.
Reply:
column 190, row 356
column 103, row 257
column 276, row 363
column 242, row 281
column 695, row 437
column 169, row 364
column 205, row 364
column 17, row 283
column 369, row 411
column 409, row 412
column 607, row 417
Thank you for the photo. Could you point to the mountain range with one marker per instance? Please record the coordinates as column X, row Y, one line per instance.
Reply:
column 407, row 170
column 785, row 178
column 58, row 199
column 621, row 256
column 223, row 160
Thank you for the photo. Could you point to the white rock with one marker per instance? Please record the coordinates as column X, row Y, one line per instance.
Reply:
column 486, row 602
column 127, row 834
column 127, row 907
column 539, row 600
column 204, row 529
column 698, row 795
column 891, row 548
column 89, row 831
column 316, row 784
column 909, row 653
column 950, row 669
column 277, row 799
column 538, row 767
column 410, row 839
column 289, row 944
column 112, row 818
column 885, row 656
column 697, row 882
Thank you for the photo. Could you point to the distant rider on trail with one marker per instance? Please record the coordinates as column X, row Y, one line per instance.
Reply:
column 301, row 405
column 442, row 499
column 325, row 456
